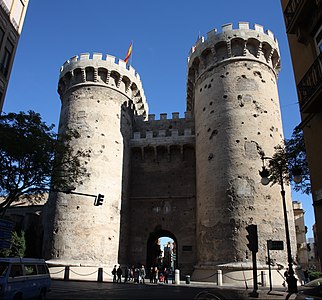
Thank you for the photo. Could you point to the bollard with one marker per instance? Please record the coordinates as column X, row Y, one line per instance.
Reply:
column 187, row 279
column 219, row 277
column 66, row 274
column 176, row 276
column 264, row 278
column 100, row 275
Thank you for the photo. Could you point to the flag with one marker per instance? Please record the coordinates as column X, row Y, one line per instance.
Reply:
column 128, row 54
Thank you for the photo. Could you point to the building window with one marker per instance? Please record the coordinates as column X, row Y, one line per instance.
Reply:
column 6, row 59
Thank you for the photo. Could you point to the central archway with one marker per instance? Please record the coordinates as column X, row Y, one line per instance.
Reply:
column 154, row 250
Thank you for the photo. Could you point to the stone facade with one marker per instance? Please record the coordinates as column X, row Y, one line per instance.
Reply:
column 194, row 179
column 300, row 230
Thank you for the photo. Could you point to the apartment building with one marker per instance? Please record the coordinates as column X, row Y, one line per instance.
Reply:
column 12, row 15
column 303, row 21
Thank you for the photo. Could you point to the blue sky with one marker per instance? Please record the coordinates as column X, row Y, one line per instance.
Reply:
column 162, row 33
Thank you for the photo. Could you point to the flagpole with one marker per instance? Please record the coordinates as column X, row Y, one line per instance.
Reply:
column 131, row 54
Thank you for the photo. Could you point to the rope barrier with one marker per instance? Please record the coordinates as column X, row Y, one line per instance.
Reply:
column 237, row 279
column 200, row 279
column 258, row 275
column 83, row 274
column 107, row 273
column 278, row 271
column 53, row 273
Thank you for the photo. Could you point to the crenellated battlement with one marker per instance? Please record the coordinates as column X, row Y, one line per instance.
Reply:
column 228, row 28
column 228, row 33
column 164, row 130
column 162, row 137
column 103, row 71
column 175, row 116
column 98, row 57
column 162, row 133
column 242, row 43
column 246, row 42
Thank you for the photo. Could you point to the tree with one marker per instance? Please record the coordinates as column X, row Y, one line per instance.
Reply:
column 18, row 246
column 34, row 159
column 290, row 159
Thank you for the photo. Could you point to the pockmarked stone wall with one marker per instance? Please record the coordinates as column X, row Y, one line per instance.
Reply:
column 193, row 178
column 162, row 193
column 99, row 98
column 232, row 90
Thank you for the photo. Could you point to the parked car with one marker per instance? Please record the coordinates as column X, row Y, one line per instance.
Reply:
column 311, row 290
column 24, row 278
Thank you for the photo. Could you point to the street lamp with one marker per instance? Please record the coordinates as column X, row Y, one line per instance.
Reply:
column 264, row 173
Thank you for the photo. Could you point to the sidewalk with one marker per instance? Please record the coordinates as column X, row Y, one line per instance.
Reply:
column 231, row 292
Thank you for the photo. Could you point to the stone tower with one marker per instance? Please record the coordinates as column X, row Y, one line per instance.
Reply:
column 99, row 98
column 194, row 179
column 232, row 93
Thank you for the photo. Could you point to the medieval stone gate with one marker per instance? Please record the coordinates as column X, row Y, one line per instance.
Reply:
column 194, row 177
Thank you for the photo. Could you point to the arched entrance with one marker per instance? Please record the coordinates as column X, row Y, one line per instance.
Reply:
column 154, row 258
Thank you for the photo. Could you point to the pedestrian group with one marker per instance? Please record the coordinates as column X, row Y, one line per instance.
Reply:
column 138, row 274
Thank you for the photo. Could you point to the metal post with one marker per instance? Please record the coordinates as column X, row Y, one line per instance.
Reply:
column 100, row 275
column 263, row 278
column 291, row 280
column 255, row 288
column 269, row 265
column 219, row 277
column 66, row 274
column 176, row 276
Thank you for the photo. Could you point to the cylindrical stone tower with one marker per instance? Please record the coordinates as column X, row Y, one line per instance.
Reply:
column 99, row 98
column 232, row 92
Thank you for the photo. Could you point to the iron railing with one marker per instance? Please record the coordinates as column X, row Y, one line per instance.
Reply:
column 290, row 11
column 311, row 81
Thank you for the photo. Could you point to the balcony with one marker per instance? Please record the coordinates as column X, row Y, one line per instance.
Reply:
column 310, row 88
column 300, row 14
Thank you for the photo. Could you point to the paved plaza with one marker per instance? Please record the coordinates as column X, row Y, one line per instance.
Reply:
column 107, row 290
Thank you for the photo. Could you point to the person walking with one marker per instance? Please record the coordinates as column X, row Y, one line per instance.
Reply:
column 286, row 276
column 166, row 275
column 132, row 271
column 119, row 274
column 142, row 274
column 156, row 275
column 171, row 274
column 137, row 277
column 126, row 274
column 151, row 274
column 114, row 273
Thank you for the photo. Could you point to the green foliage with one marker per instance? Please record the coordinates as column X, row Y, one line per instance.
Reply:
column 314, row 275
column 4, row 252
column 18, row 246
column 34, row 159
column 288, row 160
